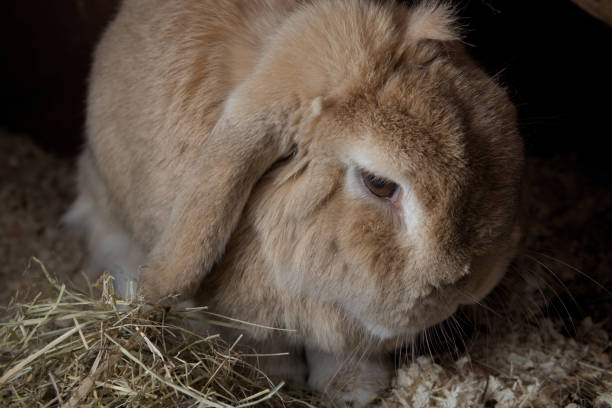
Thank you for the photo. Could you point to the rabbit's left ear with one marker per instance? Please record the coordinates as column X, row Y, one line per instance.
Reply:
column 213, row 192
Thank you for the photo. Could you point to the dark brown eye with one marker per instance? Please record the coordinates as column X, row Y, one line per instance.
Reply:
column 379, row 186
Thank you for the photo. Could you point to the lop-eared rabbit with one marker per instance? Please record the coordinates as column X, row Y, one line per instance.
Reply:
column 341, row 168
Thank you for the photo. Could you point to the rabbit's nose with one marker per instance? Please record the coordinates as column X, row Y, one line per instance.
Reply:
column 463, row 277
column 482, row 276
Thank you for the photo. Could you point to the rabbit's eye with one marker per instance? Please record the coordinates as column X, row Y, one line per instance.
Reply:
column 283, row 160
column 379, row 186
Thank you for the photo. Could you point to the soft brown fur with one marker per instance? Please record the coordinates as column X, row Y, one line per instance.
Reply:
column 194, row 107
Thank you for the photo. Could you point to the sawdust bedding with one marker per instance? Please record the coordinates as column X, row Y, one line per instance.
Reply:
column 542, row 338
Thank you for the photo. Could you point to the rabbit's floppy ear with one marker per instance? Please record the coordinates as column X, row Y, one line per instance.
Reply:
column 213, row 192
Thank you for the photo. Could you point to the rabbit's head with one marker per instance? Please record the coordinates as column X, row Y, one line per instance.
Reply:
column 398, row 201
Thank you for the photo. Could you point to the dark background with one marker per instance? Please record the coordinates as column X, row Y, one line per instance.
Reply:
column 553, row 57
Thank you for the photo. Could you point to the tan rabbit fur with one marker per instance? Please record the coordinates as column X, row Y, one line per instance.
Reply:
column 227, row 143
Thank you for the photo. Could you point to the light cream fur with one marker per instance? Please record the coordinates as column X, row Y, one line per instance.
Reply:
column 226, row 139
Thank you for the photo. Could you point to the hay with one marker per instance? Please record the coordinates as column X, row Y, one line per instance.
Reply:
column 100, row 350
column 96, row 349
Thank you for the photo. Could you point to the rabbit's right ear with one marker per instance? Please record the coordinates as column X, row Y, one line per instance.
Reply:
column 214, row 189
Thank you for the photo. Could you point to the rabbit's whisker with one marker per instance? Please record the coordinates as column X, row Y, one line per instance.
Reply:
column 573, row 268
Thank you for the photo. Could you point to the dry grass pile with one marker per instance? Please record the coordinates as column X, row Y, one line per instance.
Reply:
column 96, row 349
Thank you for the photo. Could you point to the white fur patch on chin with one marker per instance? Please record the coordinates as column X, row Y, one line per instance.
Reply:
column 379, row 331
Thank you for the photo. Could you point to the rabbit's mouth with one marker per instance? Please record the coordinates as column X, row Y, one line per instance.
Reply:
column 411, row 322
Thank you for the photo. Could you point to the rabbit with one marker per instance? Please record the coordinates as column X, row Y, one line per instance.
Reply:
column 341, row 169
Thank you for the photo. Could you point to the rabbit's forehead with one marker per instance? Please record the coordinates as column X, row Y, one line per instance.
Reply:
column 407, row 130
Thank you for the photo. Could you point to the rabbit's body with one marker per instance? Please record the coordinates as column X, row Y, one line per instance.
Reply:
column 340, row 168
